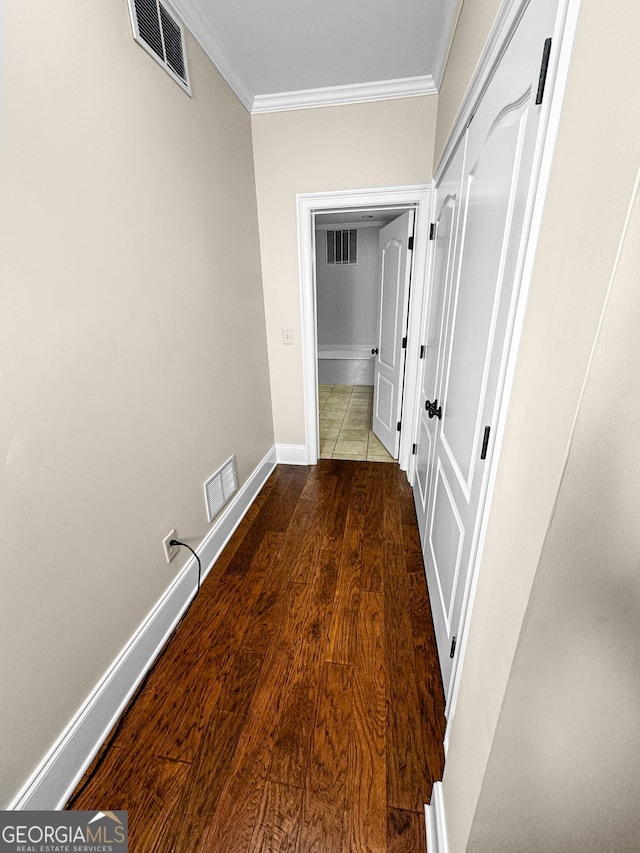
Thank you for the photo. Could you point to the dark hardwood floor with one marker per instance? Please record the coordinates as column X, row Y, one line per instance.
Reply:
column 299, row 705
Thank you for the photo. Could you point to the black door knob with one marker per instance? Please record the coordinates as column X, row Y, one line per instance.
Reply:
column 374, row 351
column 434, row 410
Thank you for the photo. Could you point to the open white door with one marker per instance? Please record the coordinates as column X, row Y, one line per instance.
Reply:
column 395, row 267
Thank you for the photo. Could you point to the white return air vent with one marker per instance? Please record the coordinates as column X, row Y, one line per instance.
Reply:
column 157, row 29
column 219, row 487
column 342, row 246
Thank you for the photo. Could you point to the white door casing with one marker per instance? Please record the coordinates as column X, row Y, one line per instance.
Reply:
column 488, row 184
column 395, row 275
column 417, row 196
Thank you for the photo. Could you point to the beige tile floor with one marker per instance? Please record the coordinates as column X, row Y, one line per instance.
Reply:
column 345, row 424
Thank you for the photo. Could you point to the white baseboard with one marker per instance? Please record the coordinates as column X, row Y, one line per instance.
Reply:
column 54, row 780
column 292, row 454
column 224, row 526
column 434, row 818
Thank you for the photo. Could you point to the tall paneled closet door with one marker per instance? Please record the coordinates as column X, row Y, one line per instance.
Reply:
column 482, row 202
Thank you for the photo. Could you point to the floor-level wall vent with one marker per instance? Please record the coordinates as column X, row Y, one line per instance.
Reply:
column 219, row 487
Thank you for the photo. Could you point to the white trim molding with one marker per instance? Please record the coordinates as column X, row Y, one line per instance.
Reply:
column 382, row 90
column 292, row 454
column 435, row 823
column 417, row 196
column 55, row 779
column 213, row 47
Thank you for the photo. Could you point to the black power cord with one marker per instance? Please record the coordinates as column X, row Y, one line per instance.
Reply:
column 116, row 730
column 173, row 542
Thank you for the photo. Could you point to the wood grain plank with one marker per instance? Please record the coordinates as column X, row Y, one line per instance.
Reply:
column 412, row 549
column 278, row 822
column 196, row 807
column 431, row 699
column 306, row 560
column 149, row 792
column 406, row 502
column 392, row 521
column 371, row 578
column 241, row 680
column 406, row 832
column 200, row 660
column 262, row 624
column 326, row 789
column 374, row 521
column 232, row 826
column 290, row 759
column 367, row 790
column 203, row 685
column 408, row 779
column 342, row 635
column 334, row 520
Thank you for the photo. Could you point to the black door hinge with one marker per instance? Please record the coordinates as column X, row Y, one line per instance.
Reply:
column 432, row 231
column 422, row 350
column 453, row 647
column 414, row 449
column 543, row 70
column 404, row 343
column 485, row 443
column 410, row 244
column 399, row 423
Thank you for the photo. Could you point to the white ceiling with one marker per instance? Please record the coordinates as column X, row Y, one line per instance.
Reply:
column 360, row 218
column 277, row 53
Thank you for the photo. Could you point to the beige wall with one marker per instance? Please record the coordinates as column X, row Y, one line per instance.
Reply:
column 475, row 20
column 384, row 143
column 566, row 754
column 583, row 222
column 132, row 341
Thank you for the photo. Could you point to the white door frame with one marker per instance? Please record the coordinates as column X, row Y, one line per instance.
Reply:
column 308, row 204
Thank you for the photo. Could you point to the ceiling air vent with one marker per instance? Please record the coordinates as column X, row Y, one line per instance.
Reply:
column 342, row 246
column 219, row 487
column 157, row 29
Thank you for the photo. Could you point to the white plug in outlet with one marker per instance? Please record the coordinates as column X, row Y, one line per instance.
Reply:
column 169, row 550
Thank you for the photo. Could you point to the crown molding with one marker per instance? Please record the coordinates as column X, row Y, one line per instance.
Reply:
column 382, row 90
column 405, row 87
column 213, row 47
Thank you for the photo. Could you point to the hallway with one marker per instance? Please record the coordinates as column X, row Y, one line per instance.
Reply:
column 299, row 705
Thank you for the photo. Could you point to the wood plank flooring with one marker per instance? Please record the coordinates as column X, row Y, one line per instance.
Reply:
column 298, row 708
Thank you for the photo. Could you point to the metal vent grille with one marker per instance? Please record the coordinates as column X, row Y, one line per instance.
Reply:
column 219, row 487
column 157, row 29
column 342, row 246
column 172, row 43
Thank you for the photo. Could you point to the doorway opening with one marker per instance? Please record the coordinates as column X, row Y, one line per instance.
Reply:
column 342, row 376
column 353, row 281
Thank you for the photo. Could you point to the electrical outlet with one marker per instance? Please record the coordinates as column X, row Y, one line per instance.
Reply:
column 287, row 336
column 169, row 550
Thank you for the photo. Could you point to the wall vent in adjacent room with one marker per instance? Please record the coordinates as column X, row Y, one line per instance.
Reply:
column 157, row 29
column 219, row 487
column 342, row 246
